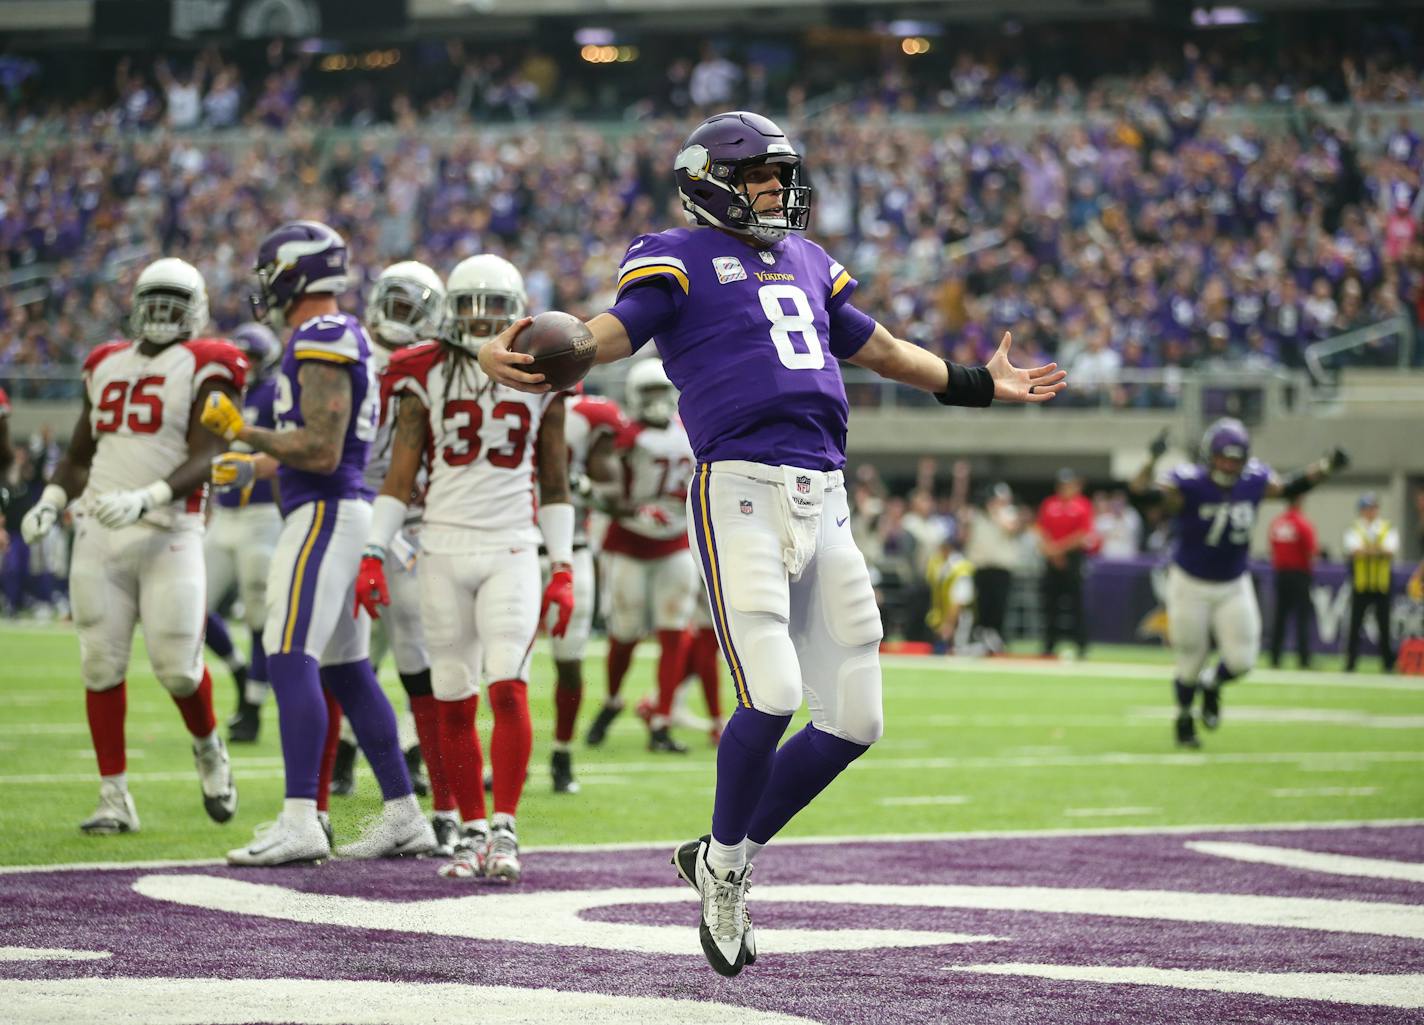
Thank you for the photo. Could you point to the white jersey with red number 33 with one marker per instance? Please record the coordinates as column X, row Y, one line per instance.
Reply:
column 482, row 449
column 139, row 412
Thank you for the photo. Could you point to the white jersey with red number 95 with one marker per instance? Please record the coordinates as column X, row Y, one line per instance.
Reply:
column 139, row 412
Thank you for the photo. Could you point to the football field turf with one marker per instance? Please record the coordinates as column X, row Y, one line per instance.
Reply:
column 1005, row 744
column 1025, row 846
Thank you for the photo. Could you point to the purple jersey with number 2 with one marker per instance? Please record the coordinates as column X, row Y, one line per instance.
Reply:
column 1215, row 523
column 751, row 347
column 335, row 340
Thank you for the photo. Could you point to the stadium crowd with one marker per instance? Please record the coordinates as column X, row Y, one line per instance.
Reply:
column 1147, row 232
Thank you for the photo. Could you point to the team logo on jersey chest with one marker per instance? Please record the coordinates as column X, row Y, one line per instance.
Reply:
column 728, row 269
column 767, row 257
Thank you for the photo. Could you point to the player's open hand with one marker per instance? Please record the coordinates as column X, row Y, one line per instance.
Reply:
column 221, row 416
column 504, row 365
column 1016, row 384
column 560, row 595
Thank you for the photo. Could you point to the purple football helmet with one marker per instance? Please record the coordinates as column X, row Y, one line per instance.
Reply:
column 709, row 170
column 1226, row 439
column 299, row 258
column 260, row 345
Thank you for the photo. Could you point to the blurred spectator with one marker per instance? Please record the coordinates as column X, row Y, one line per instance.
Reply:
column 951, row 585
column 1293, row 551
column 1118, row 526
column 714, row 80
column 1371, row 544
column 994, row 551
column 1065, row 533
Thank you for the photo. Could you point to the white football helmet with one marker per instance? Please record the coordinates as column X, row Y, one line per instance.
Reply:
column 170, row 303
column 483, row 296
column 407, row 305
column 649, row 396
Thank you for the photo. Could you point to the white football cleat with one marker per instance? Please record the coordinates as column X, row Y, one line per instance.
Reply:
column 401, row 831
column 723, row 924
column 215, row 776
column 116, row 812
column 292, row 838
column 502, row 856
column 685, row 859
column 468, row 857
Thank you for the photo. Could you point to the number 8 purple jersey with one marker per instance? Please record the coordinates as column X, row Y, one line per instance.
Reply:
column 751, row 347
column 1214, row 525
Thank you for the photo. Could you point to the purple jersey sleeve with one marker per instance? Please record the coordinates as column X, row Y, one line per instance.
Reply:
column 850, row 329
column 655, row 257
column 645, row 308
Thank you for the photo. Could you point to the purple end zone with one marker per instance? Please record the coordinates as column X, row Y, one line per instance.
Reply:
column 101, row 911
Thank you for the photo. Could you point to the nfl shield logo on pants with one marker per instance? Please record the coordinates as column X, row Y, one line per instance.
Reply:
column 803, row 485
column 746, row 507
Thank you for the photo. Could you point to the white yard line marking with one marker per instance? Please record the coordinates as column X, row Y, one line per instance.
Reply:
column 1312, row 861
column 1011, row 666
column 665, row 845
column 1294, row 716
column 1325, row 791
column 927, row 800
column 1107, row 760
column 50, row 954
column 1401, row 990
column 1085, row 813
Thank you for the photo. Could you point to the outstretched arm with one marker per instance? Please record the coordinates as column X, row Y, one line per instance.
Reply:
column 1301, row 481
column 899, row 360
column 504, row 366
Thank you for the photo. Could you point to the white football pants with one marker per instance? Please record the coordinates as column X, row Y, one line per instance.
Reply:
column 311, row 584
column 1199, row 609
column 238, row 550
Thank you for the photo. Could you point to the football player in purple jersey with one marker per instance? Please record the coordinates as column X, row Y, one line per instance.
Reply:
column 1209, row 589
column 327, row 411
column 750, row 319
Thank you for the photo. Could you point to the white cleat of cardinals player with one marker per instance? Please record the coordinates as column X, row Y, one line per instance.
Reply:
column 502, row 861
column 291, row 839
column 401, row 831
column 116, row 812
column 215, row 776
column 468, row 858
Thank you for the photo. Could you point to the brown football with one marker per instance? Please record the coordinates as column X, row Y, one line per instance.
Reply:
column 562, row 347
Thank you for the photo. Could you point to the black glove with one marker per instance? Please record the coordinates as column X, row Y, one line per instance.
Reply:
column 1339, row 458
column 1159, row 444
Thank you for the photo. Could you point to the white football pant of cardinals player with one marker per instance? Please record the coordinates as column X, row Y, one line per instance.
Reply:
column 238, row 552
column 790, row 593
column 574, row 643
column 649, row 594
column 1198, row 610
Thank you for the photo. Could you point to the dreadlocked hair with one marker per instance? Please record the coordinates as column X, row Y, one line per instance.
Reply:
column 462, row 369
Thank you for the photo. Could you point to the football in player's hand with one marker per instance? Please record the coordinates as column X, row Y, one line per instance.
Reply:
column 562, row 347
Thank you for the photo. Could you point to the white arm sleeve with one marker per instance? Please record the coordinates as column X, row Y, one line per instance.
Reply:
column 387, row 515
column 557, row 523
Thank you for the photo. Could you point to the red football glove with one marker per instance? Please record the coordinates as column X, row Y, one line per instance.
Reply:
column 371, row 589
column 560, row 592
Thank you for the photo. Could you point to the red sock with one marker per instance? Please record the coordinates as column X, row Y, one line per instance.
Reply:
column 106, row 710
column 620, row 654
column 427, row 728
column 511, row 743
column 197, row 707
column 566, row 707
column 460, row 756
column 328, row 750
column 704, row 659
column 672, row 667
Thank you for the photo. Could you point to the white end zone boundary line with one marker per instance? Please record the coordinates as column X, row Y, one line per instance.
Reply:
column 662, row 846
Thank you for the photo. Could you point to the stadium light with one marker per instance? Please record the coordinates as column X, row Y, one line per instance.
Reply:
column 915, row 46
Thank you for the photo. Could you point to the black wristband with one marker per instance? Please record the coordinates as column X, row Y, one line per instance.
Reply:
column 1297, row 483
column 968, row 386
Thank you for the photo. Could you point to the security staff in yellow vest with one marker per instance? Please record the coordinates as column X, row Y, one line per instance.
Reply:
column 1371, row 544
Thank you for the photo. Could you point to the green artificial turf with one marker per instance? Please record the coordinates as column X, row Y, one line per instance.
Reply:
column 999, row 745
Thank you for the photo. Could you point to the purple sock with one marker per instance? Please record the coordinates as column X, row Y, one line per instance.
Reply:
column 354, row 685
column 216, row 637
column 744, row 760
column 804, row 766
column 257, row 664
column 301, row 717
